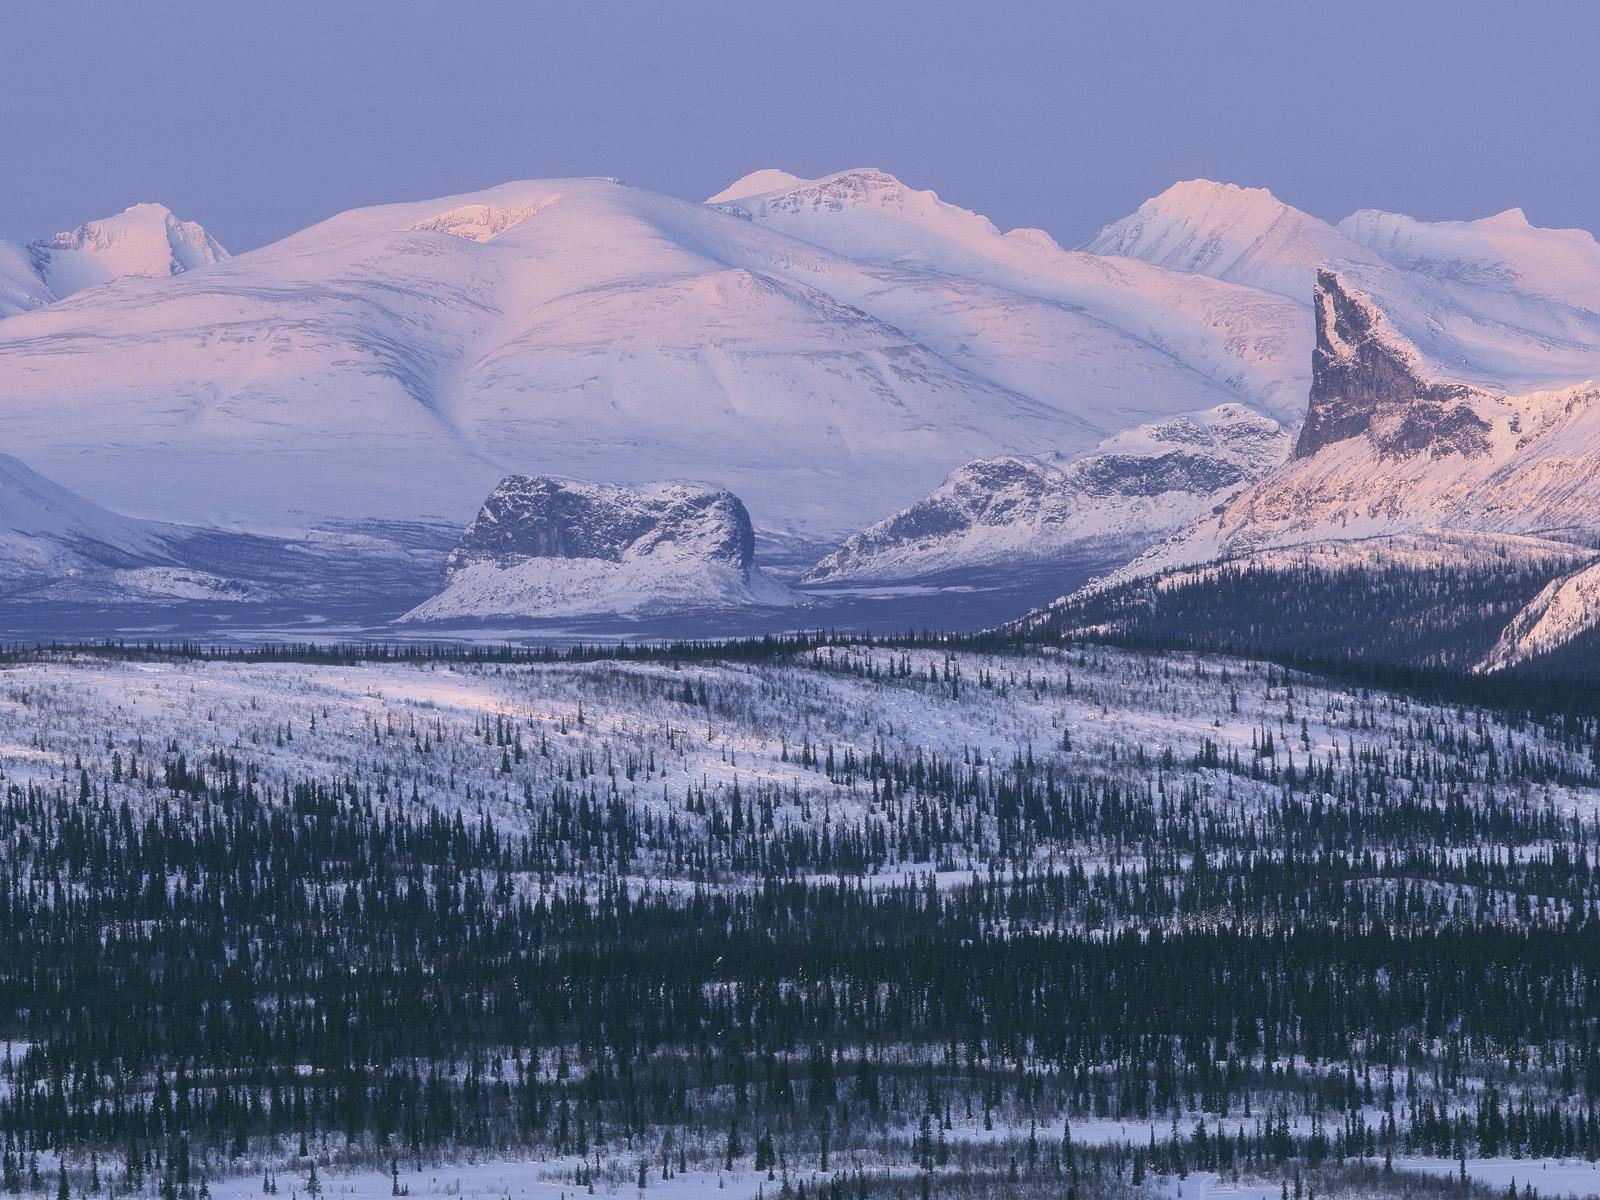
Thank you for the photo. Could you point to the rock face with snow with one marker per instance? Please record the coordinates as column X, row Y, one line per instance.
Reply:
column 145, row 241
column 998, row 515
column 1390, row 445
column 548, row 547
column 1365, row 383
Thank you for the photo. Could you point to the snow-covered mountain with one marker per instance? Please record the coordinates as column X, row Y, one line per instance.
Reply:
column 546, row 547
column 1495, row 302
column 1389, row 447
column 1244, row 235
column 395, row 362
column 144, row 241
column 1502, row 252
column 1103, row 506
column 1085, row 329
column 1453, row 394
column 830, row 349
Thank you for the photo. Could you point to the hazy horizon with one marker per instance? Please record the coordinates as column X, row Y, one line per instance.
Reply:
column 259, row 123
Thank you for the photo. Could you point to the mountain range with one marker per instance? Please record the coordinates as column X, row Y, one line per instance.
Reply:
column 893, row 388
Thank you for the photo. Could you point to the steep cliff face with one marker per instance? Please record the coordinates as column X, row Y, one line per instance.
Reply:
column 540, row 516
column 1365, row 382
column 1389, row 447
column 995, row 514
column 544, row 547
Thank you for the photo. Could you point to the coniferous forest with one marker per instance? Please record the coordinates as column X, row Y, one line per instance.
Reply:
column 848, row 918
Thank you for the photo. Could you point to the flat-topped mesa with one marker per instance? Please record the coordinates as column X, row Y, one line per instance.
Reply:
column 542, row 546
column 1364, row 381
column 542, row 516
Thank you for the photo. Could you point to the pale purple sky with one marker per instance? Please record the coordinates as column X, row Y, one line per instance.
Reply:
column 258, row 119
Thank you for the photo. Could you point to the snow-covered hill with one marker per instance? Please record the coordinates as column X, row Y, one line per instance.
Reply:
column 1106, row 505
column 48, row 532
column 144, row 241
column 543, row 547
column 395, row 362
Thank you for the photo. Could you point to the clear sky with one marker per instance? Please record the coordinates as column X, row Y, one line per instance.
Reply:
column 258, row 118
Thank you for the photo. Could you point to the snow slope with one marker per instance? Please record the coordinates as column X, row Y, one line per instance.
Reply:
column 1000, row 514
column 21, row 288
column 47, row 530
column 544, row 547
column 395, row 362
column 1567, row 607
column 55, row 546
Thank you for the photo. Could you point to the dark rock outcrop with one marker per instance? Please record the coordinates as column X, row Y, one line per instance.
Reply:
column 545, row 547
column 539, row 516
column 1363, row 384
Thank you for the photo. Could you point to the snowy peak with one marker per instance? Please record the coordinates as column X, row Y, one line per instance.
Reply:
column 769, row 179
column 1240, row 234
column 146, row 241
column 867, row 214
column 543, row 546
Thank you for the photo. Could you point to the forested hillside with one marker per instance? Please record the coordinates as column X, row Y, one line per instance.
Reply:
column 855, row 919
